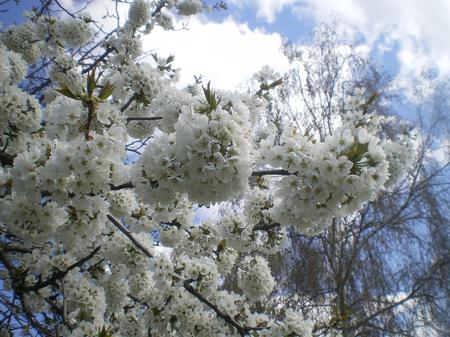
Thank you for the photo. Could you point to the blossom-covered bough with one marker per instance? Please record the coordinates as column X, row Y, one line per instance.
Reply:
column 82, row 225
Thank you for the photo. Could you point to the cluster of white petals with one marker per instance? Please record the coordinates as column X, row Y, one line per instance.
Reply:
column 189, row 7
column 139, row 13
column 22, row 39
column 400, row 155
column 44, row 36
column 294, row 325
column 13, row 68
column 254, row 278
column 18, row 110
column 208, row 156
column 168, row 104
column 64, row 72
column 327, row 180
column 73, row 33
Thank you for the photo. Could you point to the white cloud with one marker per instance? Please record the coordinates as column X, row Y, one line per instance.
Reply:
column 267, row 9
column 418, row 28
column 226, row 53
column 442, row 153
column 100, row 11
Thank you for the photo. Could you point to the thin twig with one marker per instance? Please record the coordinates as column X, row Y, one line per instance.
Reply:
column 266, row 227
column 272, row 173
column 128, row 103
column 58, row 275
column 129, row 119
column 129, row 235
column 243, row 330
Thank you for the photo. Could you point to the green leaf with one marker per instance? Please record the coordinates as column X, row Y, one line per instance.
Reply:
column 104, row 332
column 211, row 99
column 276, row 83
column 66, row 92
column 91, row 83
column 170, row 59
column 106, row 91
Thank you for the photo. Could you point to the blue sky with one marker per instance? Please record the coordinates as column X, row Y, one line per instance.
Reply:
column 287, row 23
column 14, row 13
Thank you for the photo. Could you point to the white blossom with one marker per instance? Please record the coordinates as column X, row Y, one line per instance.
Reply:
column 23, row 40
column 73, row 32
column 139, row 13
column 254, row 278
column 189, row 7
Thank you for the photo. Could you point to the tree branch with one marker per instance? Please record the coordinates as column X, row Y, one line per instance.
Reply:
column 122, row 186
column 129, row 119
column 415, row 289
column 266, row 227
column 272, row 173
column 129, row 235
column 128, row 103
column 6, row 159
column 108, row 51
column 243, row 330
column 57, row 275
column 254, row 174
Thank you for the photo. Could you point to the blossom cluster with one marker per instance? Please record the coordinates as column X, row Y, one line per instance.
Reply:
column 207, row 156
column 327, row 180
column 254, row 278
column 141, row 13
column 45, row 36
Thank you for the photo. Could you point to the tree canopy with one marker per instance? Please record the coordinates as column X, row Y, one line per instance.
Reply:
column 105, row 160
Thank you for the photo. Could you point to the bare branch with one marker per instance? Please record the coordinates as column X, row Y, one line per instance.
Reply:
column 57, row 275
column 129, row 235
column 243, row 330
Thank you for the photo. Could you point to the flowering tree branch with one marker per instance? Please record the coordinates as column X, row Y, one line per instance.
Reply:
column 129, row 119
column 57, row 275
column 128, row 103
column 121, row 228
column 272, row 173
column 243, row 330
column 265, row 227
